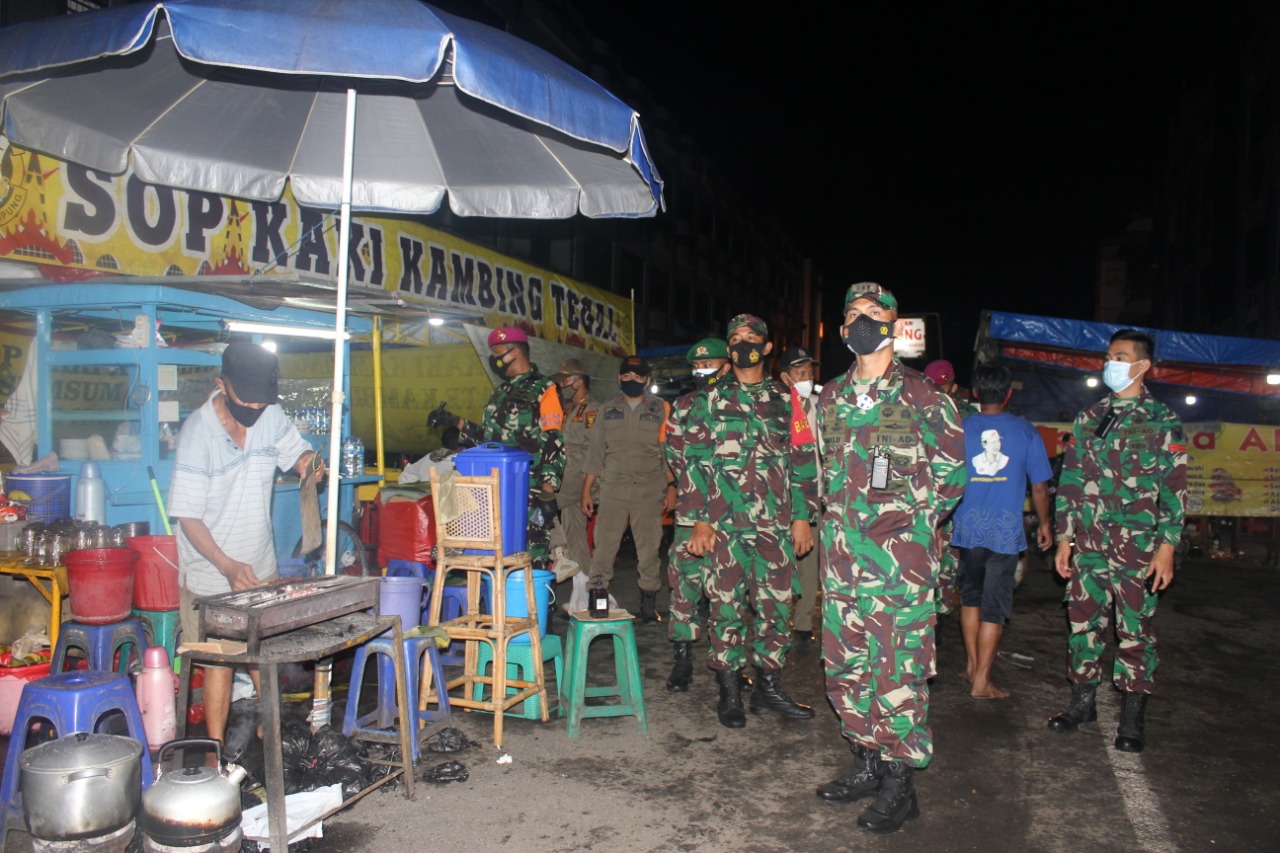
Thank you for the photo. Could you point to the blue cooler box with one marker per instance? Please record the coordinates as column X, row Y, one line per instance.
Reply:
column 513, row 487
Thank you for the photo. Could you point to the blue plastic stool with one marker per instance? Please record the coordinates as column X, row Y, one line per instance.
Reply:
column 520, row 666
column 574, row 692
column 161, row 628
column 100, row 643
column 382, row 719
column 71, row 702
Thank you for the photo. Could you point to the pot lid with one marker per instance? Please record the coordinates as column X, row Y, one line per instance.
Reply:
column 78, row 751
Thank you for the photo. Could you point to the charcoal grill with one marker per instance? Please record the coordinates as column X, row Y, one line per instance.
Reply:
column 253, row 614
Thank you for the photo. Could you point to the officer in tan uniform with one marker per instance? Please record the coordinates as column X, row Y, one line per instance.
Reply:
column 580, row 410
column 626, row 456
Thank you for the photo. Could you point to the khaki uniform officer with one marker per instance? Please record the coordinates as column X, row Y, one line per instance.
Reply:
column 580, row 412
column 627, row 457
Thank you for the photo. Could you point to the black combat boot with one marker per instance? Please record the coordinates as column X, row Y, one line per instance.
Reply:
column 1131, row 736
column 648, row 606
column 682, row 670
column 729, row 710
column 896, row 803
column 769, row 696
column 1080, row 709
column 862, row 781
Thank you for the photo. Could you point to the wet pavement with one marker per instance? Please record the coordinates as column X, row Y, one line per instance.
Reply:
column 1000, row 779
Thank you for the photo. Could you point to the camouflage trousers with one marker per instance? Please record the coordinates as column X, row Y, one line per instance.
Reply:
column 538, row 537
column 1109, row 575
column 750, row 570
column 880, row 655
column 684, row 576
column 948, row 571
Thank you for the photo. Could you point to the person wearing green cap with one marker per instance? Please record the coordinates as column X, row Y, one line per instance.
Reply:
column 752, row 490
column 709, row 359
column 893, row 464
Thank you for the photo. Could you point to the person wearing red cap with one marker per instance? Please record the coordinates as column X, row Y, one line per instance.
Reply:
column 943, row 374
column 524, row 411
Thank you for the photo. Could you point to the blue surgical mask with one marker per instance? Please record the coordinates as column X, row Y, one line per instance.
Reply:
column 1116, row 375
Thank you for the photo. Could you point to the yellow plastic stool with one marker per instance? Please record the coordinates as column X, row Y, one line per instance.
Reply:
column 629, row 689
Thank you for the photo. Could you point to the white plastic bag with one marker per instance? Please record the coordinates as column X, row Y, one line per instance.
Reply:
column 301, row 808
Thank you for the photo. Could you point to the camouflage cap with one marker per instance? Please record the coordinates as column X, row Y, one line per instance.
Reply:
column 751, row 321
column 707, row 348
column 877, row 293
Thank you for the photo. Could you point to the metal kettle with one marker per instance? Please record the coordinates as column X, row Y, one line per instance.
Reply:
column 190, row 806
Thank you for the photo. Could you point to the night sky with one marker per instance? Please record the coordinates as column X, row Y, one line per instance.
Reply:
column 969, row 156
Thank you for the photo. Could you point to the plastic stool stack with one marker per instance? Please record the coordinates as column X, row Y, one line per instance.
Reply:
column 382, row 720
column 161, row 628
column 520, row 666
column 71, row 702
column 100, row 643
column 629, row 690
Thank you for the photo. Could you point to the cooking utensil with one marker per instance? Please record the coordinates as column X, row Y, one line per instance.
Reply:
column 190, row 806
column 81, row 786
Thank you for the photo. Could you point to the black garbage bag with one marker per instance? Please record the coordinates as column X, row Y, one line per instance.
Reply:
column 449, row 740
column 325, row 758
column 449, row 771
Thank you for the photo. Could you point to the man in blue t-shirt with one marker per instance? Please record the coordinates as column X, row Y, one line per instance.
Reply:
column 1004, row 453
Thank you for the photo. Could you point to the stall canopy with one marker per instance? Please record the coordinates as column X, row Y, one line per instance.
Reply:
column 1225, row 377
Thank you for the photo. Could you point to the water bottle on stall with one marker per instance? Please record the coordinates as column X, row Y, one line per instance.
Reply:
column 352, row 456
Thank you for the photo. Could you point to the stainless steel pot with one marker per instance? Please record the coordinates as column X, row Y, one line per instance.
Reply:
column 192, row 805
column 80, row 786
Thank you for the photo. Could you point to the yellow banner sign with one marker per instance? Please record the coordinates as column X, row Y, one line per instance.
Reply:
column 1233, row 469
column 67, row 216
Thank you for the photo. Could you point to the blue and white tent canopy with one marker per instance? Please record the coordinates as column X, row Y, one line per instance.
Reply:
column 236, row 97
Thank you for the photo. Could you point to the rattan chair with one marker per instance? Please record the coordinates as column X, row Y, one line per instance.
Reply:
column 472, row 544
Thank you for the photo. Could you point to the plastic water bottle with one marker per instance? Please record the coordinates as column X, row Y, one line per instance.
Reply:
column 156, row 691
column 91, row 494
column 352, row 456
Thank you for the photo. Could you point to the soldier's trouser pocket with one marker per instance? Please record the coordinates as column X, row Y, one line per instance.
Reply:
column 908, row 654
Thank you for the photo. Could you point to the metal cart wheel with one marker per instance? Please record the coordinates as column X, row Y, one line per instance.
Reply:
column 353, row 556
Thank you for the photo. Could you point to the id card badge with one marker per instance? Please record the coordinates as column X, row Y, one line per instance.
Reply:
column 880, row 468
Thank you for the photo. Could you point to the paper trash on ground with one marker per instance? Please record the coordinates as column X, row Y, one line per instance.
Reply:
column 301, row 808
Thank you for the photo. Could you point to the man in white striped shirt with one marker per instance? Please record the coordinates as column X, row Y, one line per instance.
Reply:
column 223, row 475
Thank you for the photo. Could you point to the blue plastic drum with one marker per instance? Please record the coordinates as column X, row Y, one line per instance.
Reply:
column 513, row 486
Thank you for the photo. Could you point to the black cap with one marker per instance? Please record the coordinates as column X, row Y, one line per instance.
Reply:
column 637, row 364
column 253, row 372
column 796, row 356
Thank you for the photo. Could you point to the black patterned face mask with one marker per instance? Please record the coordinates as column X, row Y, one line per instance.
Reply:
column 246, row 416
column 866, row 334
column 747, row 354
column 499, row 364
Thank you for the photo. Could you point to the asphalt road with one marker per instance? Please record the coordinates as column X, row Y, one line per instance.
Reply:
column 1000, row 780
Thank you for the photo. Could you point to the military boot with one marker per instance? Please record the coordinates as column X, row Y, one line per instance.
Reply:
column 729, row 709
column 648, row 606
column 682, row 670
column 1081, row 709
column 768, row 695
column 1131, row 735
column 862, row 781
column 896, row 803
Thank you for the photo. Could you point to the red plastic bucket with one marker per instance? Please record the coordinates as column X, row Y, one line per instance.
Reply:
column 100, row 584
column 155, row 583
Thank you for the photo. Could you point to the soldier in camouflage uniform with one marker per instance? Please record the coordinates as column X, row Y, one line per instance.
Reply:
column 709, row 359
column 524, row 412
column 752, row 491
column 1121, row 499
column 893, row 469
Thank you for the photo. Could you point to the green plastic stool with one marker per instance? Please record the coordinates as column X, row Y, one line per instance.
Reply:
column 520, row 666
column 161, row 628
column 574, row 692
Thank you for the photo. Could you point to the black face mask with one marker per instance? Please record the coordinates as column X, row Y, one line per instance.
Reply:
column 866, row 334
column 567, row 393
column 631, row 387
column 246, row 416
column 705, row 381
column 499, row 364
column 747, row 354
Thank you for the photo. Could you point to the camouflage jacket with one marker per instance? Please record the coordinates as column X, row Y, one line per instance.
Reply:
column 525, row 412
column 884, row 541
column 741, row 469
column 1134, row 478
column 675, row 435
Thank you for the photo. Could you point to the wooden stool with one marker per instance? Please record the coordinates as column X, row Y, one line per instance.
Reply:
column 471, row 544
column 574, row 692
